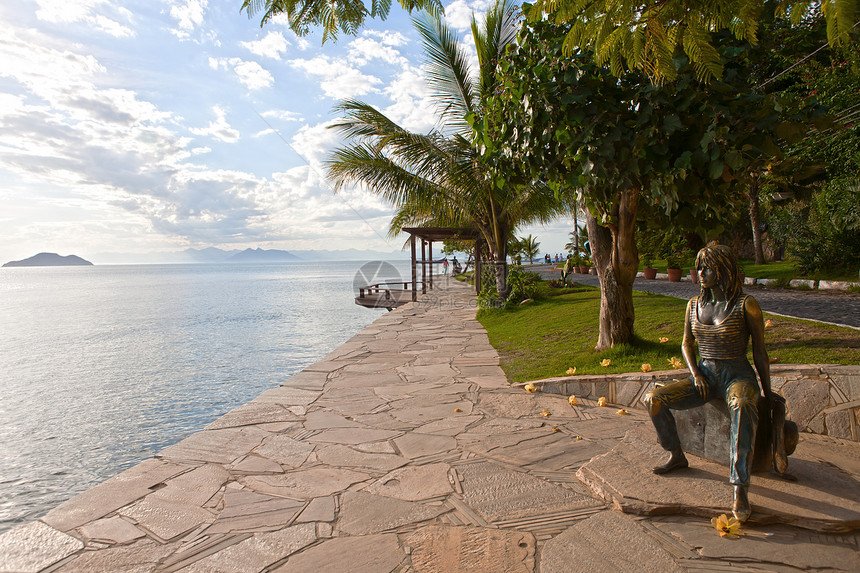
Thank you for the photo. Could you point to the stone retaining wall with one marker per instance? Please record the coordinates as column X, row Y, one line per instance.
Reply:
column 821, row 398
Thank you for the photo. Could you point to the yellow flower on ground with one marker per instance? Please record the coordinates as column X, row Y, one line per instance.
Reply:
column 768, row 323
column 571, row 371
column 530, row 388
column 457, row 410
column 546, row 413
column 605, row 362
column 664, row 339
column 646, row 368
column 573, row 401
column 578, row 437
column 727, row 526
column 556, row 430
column 622, row 412
column 601, row 401
column 676, row 362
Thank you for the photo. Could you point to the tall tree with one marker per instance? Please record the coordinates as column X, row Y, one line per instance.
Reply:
column 436, row 178
column 629, row 149
column 644, row 35
column 332, row 16
column 531, row 247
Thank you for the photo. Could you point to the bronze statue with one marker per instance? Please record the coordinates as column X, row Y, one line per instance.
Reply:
column 721, row 321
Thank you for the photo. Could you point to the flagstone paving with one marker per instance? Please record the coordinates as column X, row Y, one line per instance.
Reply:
column 405, row 449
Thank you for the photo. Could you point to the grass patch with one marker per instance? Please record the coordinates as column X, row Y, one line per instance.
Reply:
column 558, row 331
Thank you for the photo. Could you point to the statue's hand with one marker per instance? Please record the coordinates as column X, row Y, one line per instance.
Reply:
column 701, row 385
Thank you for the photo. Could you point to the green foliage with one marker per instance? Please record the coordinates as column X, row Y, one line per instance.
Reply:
column 530, row 247
column 631, row 35
column 828, row 238
column 332, row 16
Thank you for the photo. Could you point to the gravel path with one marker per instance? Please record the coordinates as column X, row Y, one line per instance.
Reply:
column 833, row 307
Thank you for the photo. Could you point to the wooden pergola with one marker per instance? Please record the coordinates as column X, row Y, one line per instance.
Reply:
column 429, row 235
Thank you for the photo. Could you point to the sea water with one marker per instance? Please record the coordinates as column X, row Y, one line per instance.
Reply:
column 101, row 367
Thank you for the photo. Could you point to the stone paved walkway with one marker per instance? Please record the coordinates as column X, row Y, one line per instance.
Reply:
column 406, row 450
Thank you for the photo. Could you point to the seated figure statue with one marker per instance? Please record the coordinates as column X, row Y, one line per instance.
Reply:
column 720, row 321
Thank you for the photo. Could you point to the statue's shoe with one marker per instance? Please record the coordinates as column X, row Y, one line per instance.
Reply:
column 677, row 460
column 741, row 505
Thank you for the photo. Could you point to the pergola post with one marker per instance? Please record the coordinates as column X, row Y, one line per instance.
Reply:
column 430, row 250
column 414, row 270
column 423, row 266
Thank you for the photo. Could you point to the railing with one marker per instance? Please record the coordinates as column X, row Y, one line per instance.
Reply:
column 385, row 287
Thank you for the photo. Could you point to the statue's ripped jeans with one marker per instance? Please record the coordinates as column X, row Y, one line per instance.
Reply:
column 734, row 381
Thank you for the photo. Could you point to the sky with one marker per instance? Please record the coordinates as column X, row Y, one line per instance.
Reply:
column 141, row 126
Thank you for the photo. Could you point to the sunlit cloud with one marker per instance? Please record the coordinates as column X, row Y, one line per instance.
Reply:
column 90, row 12
column 218, row 129
column 272, row 45
column 252, row 75
column 188, row 15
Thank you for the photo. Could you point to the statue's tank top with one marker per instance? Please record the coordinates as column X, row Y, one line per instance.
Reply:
column 725, row 340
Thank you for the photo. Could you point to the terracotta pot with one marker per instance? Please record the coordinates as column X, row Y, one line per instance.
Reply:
column 593, row 271
column 649, row 273
column 674, row 275
column 583, row 270
column 694, row 276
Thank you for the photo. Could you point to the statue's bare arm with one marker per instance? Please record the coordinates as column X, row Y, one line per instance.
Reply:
column 755, row 325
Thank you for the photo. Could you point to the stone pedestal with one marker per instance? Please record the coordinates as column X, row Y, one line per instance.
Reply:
column 705, row 432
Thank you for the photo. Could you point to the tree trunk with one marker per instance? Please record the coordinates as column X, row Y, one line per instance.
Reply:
column 613, row 250
column 755, row 221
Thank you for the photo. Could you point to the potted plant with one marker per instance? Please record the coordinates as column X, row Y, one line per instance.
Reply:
column 584, row 264
column 647, row 241
column 674, row 251
column 648, row 271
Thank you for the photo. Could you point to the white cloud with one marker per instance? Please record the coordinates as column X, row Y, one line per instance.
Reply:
column 458, row 13
column 282, row 115
column 188, row 15
column 90, row 12
column 218, row 129
column 412, row 107
column 377, row 45
column 338, row 80
column 252, row 75
column 272, row 45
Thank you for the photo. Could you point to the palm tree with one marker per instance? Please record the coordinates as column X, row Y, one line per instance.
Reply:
column 531, row 247
column 436, row 178
column 332, row 16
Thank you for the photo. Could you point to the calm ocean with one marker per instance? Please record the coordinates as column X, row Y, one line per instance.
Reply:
column 101, row 367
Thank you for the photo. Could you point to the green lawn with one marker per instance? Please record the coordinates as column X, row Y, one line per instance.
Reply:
column 553, row 333
column 783, row 271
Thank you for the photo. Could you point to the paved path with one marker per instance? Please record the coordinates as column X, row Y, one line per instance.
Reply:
column 406, row 450
column 834, row 307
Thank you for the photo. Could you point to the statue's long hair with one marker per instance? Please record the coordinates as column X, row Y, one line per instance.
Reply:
column 722, row 259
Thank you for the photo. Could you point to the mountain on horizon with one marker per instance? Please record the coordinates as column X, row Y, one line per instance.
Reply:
column 262, row 256
column 50, row 260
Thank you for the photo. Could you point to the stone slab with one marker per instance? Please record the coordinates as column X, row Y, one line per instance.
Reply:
column 319, row 509
column 449, row 426
column 344, row 456
column 499, row 494
column 364, row 513
column 218, row 446
column 413, row 483
column 767, row 546
column 607, row 542
column 111, row 530
column 823, row 499
column 250, row 511
column 414, row 445
column 257, row 552
column 108, row 496
column 167, row 519
column 284, row 450
column 324, row 419
column 253, row 413
column 254, row 464
column 306, row 484
column 445, row 549
column 288, row 396
column 352, row 436
column 364, row 554
column 139, row 557
column 195, row 487
column 32, row 547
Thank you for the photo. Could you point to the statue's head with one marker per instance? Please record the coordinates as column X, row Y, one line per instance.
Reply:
column 721, row 259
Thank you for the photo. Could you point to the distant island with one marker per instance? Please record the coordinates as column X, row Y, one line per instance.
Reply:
column 263, row 256
column 50, row 260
